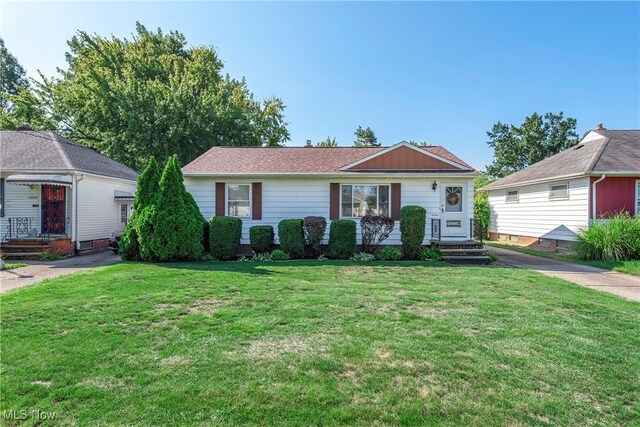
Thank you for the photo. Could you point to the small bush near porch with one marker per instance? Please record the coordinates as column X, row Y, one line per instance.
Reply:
column 308, row 343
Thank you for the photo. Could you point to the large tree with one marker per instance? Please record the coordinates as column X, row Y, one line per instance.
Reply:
column 12, row 76
column 538, row 137
column 365, row 138
column 154, row 95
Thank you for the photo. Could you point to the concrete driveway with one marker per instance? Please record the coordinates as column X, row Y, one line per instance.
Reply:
column 620, row 284
column 37, row 271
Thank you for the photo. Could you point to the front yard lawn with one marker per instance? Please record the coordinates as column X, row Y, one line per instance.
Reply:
column 629, row 267
column 311, row 343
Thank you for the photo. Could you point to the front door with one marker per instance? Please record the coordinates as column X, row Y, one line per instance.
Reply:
column 54, row 208
column 454, row 219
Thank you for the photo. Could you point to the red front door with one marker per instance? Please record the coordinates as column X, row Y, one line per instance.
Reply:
column 53, row 209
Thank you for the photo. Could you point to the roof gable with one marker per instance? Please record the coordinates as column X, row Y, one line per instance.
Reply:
column 404, row 157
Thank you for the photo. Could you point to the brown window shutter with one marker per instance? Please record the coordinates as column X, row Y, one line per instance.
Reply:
column 396, row 203
column 221, row 198
column 334, row 201
column 256, row 200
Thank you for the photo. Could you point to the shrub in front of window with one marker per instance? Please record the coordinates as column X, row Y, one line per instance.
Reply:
column 375, row 230
column 146, row 194
column 389, row 253
column 261, row 238
column 279, row 255
column 412, row 225
column 342, row 238
column 174, row 223
column 314, row 229
column 224, row 236
column 291, row 237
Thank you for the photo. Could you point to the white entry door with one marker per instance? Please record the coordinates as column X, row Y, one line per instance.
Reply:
column 454, row 221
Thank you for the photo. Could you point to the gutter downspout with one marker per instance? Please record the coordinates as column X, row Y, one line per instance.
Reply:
column 594, row 212
column 75, row 219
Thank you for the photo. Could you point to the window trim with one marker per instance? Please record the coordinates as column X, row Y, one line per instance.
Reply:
column 566, row 197
column 226, row 199
column 378, row 199
column 506, row 196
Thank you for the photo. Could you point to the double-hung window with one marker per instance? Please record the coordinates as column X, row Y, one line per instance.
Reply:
column 358, row 200
column 239, row 200
column 559, row 191
column 512, row 196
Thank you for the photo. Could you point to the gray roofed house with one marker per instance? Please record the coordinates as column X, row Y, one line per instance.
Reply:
column 550, row 201
column 65, row 196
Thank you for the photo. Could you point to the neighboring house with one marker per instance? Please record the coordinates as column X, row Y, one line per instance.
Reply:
column 263, row 185
column 59, row 193
column 547, row 203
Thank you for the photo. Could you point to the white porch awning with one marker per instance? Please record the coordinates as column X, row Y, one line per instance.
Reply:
column 64, row 180
column 122, row 195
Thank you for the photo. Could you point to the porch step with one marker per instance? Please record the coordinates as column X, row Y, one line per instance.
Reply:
column 467, row 259
column 463, row 251
column 10, row 248
column 14, row 256
column 27, row 241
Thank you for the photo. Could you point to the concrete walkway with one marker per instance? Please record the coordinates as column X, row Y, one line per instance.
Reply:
column 37, row 271
column 620, row 284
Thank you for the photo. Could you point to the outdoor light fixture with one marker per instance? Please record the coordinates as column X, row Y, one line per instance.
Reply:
column 434, row 185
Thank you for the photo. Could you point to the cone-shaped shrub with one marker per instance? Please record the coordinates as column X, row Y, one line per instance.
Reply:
column 261, row 238
column 174, row 223
column 342, row 238
column 224, row 236
column 146, row 194
column 291, row 237
column 412, row 225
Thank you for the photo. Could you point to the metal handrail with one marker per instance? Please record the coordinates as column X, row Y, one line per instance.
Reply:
column 55, row 226
column 17, row 226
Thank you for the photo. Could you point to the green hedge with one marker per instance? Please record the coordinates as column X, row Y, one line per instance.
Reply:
column 412, row 225
column 261, row 238
column 291, row 237
column 342, row 239
column 224, row 236
column 615, row 240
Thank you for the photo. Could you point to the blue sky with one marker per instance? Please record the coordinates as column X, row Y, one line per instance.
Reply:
column 440, row 72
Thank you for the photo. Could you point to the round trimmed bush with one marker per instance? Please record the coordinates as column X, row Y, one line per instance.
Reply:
column 261, row 238
column 224, row 236
column 412, row 226
column 291, row 237
column 314, row 228
column 342, row 238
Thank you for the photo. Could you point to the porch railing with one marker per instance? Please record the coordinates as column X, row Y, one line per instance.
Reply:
column 55, row 226
column 18, row 226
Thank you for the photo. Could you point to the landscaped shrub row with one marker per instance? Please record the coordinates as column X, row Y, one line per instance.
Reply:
column 342, row 239
column 224, row 236
column 261, row 238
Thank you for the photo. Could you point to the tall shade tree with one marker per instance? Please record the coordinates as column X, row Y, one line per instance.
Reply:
column 538, row 137
column 365, row 138
column 329, row 142
column 155, row 95
column 12, row 76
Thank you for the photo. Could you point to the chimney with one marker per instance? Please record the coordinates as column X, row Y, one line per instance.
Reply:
column 309, row 144
column 25, row 126
column 599, row 126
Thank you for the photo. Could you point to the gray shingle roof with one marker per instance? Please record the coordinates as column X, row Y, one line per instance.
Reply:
column 600, row 151
column 47, row 151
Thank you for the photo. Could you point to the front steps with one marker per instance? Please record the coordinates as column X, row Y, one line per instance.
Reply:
column 29, row 248
column 466, row 252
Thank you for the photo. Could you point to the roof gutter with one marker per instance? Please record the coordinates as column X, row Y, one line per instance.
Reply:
column 594, row 212
column 331, row 175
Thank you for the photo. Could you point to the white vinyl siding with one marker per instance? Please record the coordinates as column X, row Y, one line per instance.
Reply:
column 290, row 198
column 98, row 211
column 536, row 216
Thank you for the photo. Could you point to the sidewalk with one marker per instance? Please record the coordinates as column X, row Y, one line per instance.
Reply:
column 39, row 270
column 620, row 284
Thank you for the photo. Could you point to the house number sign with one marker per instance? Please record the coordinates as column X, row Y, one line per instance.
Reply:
column 454, row 223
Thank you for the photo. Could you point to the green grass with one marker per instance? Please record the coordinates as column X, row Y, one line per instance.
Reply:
column 628, row 267
column 11, row 266
column 309, row 343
